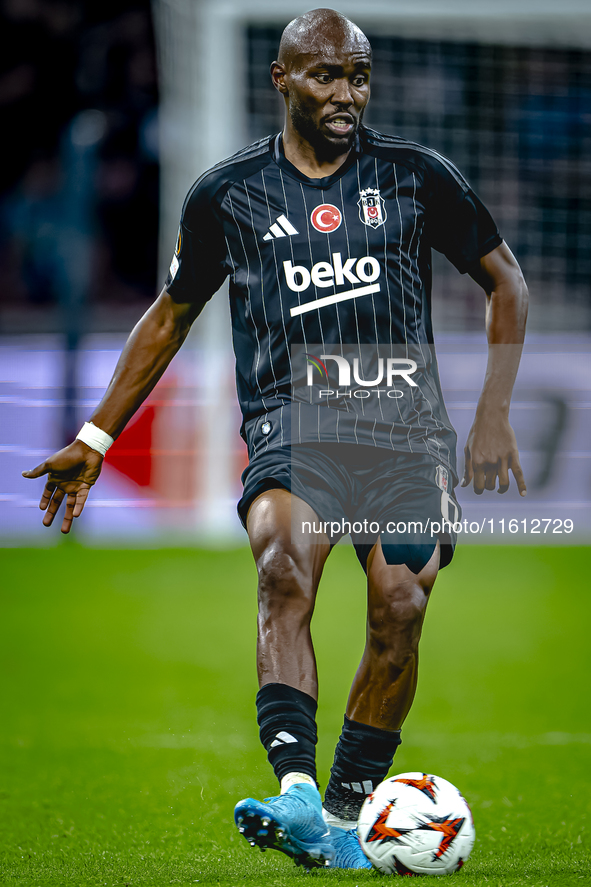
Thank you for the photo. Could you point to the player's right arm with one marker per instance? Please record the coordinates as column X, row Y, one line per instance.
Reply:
column 153, row 342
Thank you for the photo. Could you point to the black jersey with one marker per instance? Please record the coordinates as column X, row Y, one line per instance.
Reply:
column 324, row 273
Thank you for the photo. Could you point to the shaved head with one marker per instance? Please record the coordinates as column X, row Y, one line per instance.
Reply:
column 317, row 32
column 322, row 71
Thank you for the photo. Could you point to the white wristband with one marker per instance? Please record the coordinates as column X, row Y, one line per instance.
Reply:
column 96, row 438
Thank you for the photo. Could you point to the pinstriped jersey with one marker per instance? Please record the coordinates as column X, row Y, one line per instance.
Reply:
column 330, row 288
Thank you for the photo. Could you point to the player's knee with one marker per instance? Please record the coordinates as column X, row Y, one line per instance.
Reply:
column 395, row 622
column 283, row 583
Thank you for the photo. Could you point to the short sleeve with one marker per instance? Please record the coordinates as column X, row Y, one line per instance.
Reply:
column 459, row 224
column 198, row 266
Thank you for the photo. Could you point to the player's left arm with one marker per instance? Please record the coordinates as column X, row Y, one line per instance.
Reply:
column 491, row 450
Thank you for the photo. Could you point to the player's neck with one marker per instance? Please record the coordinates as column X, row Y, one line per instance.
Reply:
column 303, row 156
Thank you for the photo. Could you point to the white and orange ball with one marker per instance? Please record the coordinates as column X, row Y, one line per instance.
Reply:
column 414, row 823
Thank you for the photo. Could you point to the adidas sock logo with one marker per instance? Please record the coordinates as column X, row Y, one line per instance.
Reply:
column 280, row 228
column 365, row 787
column 283, row 738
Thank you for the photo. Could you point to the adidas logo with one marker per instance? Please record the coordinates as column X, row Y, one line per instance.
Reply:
column 280, row 228
column 365, row 787
column 283, row 737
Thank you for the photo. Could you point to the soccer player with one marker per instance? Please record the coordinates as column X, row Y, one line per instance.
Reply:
column 326, row 231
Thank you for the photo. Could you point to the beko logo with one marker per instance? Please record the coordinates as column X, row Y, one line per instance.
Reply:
column 298, row 278
column 365, row 270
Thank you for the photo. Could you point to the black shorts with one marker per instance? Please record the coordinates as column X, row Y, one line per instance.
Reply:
column 405, row 499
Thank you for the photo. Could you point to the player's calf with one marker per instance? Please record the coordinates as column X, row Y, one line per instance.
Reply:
column 383, row 689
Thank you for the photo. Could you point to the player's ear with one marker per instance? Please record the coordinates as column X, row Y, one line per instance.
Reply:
column 278, row 77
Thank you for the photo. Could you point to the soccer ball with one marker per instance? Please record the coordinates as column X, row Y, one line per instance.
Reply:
column 416, row 824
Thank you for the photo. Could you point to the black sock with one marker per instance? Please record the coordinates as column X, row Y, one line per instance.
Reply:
column 287, row 721
column 362, row 759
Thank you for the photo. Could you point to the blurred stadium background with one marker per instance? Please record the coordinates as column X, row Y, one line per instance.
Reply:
column 114, row 109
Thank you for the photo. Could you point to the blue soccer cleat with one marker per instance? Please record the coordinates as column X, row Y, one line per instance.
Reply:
column 347, row 850
column 291, row 823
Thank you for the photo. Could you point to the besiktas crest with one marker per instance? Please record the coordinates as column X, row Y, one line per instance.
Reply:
column 372, row 207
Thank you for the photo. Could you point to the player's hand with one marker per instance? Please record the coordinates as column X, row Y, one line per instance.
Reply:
column 71, row 472
column 490, row 453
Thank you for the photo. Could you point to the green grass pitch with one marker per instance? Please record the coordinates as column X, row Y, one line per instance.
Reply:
column 128, row 724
